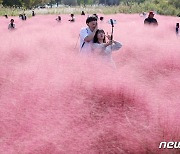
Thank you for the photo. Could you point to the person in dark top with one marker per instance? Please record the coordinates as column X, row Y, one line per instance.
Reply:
column 177, row 28
column 101, row 18
column 6, row 16
column 58, row 18
column 151, row 20
column 22, row 16
column 72, row 18
column 25, row 16
column 33, row 13
column 82, row 13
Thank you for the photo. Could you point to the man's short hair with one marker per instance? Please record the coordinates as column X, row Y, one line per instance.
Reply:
column 91, row 18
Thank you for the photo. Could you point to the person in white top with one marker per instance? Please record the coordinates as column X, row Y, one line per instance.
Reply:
column 87, row 34
column 103, row 48
column 11, row 25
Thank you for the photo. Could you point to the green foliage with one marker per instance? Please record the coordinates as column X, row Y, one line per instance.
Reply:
column 12, row 3
column 165, row 7
column 10, row 11
column 31, row 3
column 109, row 2
column 70, row 2
column 175, row 3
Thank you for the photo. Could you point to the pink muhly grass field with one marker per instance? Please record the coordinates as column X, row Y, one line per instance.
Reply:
column 53, row 101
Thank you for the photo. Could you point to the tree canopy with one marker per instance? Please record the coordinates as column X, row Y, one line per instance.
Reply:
column 32, row 3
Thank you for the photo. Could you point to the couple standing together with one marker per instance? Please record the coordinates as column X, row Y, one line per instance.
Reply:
column 93, row 40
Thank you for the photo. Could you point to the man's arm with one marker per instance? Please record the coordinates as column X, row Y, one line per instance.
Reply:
column 156, row 23
column 146, row 21
column 90, row 37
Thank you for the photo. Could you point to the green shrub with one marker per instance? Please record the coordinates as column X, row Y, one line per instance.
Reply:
column 162, row 7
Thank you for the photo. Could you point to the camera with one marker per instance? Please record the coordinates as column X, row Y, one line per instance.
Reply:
column 112, row 22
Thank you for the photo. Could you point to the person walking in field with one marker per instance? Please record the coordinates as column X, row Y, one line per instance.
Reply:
column 11, row 25
column 151, row 20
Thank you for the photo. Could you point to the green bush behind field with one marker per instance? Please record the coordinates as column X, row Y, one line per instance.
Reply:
column 161, row 7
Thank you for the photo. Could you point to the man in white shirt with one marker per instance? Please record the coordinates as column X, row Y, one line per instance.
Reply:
column 87, row 35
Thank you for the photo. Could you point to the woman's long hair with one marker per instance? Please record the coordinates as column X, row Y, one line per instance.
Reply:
column 95, row 39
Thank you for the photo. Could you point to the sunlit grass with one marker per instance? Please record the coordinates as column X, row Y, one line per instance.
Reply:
column 134, row 8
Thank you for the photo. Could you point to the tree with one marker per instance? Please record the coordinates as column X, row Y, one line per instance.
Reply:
column 113, row 2
column 70, row 2
column 58, row 2
column 176, row 3
column 129, row 2
column 32, row 3
column 12, row 3
column 109, row 2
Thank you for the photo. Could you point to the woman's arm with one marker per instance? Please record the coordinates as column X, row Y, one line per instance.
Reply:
column 91, row 36
column 116, row 45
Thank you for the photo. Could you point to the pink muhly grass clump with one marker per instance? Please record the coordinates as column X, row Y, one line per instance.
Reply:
column 55, row 101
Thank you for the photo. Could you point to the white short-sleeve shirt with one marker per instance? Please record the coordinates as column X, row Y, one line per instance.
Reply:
column 10, row 26
column 85, row 47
